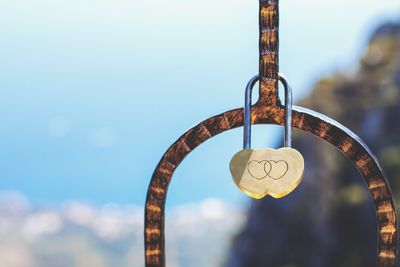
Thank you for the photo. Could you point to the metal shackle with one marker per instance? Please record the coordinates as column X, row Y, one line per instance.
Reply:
column 288, row 111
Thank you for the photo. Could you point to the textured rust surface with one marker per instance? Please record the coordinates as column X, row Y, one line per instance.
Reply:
column 269, row 51
column 268, row 110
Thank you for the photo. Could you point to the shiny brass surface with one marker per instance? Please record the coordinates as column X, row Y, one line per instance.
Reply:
column 274, row 172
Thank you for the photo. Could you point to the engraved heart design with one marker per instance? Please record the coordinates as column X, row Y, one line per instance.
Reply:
column 257, row 169
column 277, row 169
column 275, row 172
column 267, row 168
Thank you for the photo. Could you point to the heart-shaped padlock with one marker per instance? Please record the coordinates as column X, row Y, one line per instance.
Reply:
column 275, row 172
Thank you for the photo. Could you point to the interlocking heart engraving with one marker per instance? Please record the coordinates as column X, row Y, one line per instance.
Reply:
column 271, row 168
column 275, row 172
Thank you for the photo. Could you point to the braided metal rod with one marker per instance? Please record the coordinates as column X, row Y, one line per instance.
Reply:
column 269, row 51
column 309, row 121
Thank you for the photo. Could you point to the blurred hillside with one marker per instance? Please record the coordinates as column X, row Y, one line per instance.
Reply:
column 329, row 220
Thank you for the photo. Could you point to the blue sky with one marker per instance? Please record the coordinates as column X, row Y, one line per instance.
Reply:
column 93, row 92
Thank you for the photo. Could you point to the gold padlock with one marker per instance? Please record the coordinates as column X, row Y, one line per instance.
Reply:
column 274, row 172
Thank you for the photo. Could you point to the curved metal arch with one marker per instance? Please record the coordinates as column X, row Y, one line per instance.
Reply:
column 309, row 121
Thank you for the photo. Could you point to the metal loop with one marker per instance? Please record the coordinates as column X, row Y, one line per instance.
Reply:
column 288, row 111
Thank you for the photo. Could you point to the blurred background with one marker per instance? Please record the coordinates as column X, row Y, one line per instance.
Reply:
column 92, row 93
